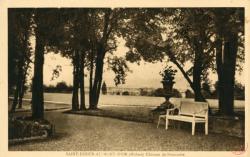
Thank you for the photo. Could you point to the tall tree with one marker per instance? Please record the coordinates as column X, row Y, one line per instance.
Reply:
column 37, row 83
column 108, row 21
column 192, row 35
column 192, row 28
column 100, row 48
column 91, row 34
column 85, row 49
column 19, row 51
column 187, row 39
column 74, row 45
column 78, row 31
column 47, row 33
column 229, row 28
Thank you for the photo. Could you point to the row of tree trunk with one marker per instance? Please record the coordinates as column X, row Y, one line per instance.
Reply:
column 78, row 82
column 20, row 84
column 97, row 82
column 95, row 79
column 19, row 31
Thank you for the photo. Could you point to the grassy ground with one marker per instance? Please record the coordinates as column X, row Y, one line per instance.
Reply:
column 90, row 133
column 138, row 114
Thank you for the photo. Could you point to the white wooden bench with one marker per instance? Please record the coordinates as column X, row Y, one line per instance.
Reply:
column 188, row 111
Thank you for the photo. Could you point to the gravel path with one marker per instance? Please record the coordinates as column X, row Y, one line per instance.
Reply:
column 90, row 133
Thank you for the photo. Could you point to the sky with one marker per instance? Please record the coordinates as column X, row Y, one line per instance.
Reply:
column 145, row 75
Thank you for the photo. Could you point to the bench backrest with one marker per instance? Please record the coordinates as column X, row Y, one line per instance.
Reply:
column 191, row 107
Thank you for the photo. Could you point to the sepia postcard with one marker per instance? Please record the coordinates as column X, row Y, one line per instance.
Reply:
column 126, row 78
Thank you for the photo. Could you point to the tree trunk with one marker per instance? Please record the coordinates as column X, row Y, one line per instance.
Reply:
column 37, row 84
column 98, row 79
column 21, row 93
column 25, row 64
column 197, row 72
column 81, row 79
column 226, row 63
column 219, row 70
column 101, row 45
column 91, row 78
column 197, row 84
column 22, row 90
column 15, row 100
column 18, row 84
column 99, row 87
column 191, row 84
column 75, row 100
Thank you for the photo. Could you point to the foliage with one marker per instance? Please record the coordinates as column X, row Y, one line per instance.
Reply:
column 189, row 28
column 184, row 35
column 142, row 33
column 168, row 74
column 206, row 89
column 119, row 66
column 177, row 34
column 61, row 87
column 88, row 36
column 25, row 127
column 56, row 72
column 125, row 93
column 189, row 94
column 176, row 93
column 143, row 92
column 160, row 92
column 227, row 21
column 239, row 91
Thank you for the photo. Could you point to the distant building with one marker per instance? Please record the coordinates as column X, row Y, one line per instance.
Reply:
column 122, row 91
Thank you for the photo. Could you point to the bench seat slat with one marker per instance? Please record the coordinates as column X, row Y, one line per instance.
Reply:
column 185, row 118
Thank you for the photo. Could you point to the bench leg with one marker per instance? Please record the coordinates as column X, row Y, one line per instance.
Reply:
column 193, row 128
column 166, row 124
column 206, row 128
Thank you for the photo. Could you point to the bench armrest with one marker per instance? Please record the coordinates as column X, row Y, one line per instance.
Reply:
column 171, row 110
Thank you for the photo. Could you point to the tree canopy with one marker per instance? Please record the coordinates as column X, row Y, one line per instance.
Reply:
column 205, row 38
